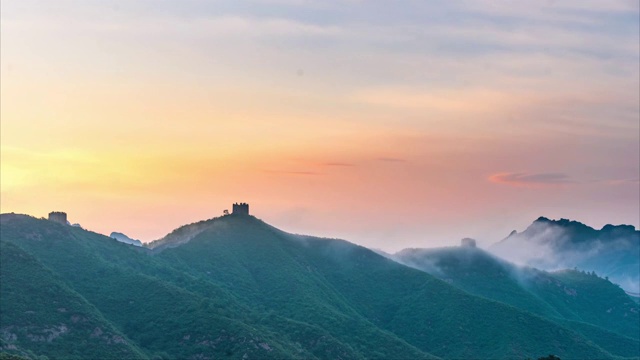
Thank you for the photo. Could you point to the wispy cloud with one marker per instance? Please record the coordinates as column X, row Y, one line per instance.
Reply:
column 263, row 26
column 292, row 172
column 531, row 179
column 390, row 159
column 339, row 164
column 442, row 101
column 623, row 181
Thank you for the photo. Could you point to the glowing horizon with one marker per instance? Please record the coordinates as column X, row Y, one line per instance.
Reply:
column 389, row 125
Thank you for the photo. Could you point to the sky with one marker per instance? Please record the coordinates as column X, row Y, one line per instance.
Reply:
column 391, row 124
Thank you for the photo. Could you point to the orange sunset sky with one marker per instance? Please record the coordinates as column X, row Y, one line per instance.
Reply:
column 389, row 124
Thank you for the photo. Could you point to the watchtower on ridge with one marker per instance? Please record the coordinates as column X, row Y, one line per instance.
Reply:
column 241, row 209
column 58, row 216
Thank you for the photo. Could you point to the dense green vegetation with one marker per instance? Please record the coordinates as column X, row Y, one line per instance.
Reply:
column 584, row 302
column 42, row 315
column 235, row 287
column 7, row 356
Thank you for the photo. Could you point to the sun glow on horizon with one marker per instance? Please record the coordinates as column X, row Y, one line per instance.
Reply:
column 400, row 127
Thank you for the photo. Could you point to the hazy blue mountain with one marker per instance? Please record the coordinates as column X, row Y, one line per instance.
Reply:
column 236, row 287
column 125, row 239
column 613, row 251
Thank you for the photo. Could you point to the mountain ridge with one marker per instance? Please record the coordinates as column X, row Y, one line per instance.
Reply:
column 613, row 251
column 125, row 239
column 301, row 296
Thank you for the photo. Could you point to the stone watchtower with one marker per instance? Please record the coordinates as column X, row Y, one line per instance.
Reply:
column 58, row 216
column 241, row 209
column 467, row 242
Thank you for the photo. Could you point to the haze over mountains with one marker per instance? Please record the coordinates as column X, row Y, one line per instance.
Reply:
column 236, row 287
column 613, row 251
column 576, row 299
column 125, row 239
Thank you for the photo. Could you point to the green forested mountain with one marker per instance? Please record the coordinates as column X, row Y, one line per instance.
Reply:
column 42, row 315
column 235, row 287
column 582, row 301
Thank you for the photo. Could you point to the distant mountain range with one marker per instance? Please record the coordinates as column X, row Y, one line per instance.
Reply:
column 236, row 287
column 125, row 239
column 613, row 251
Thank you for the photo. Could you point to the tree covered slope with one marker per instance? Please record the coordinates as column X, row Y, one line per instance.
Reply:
column 236, row 287
column 42, row 315
column 592, row 306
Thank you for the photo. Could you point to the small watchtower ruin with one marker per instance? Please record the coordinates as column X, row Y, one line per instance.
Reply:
column 59, row 217
column 240, row 209
column 467, row 242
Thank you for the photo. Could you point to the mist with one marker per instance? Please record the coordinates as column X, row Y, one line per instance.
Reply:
column 612, row 252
